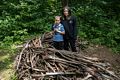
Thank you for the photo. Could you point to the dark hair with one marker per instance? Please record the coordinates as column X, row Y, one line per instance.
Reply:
column 69, row 10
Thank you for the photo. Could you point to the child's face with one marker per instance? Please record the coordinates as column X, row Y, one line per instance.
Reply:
column 66, row 12
column 57, row 20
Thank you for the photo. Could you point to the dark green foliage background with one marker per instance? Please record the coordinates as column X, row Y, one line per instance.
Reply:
column 98, row 20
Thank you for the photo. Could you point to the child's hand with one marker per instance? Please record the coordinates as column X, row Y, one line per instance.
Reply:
column 57, row 30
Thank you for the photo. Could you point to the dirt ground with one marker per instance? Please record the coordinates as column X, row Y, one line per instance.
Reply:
column 105, row 54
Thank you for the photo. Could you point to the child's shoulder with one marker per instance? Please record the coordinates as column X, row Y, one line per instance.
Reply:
column 60, row 24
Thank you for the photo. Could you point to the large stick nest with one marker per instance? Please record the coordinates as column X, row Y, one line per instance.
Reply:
column 38, row 60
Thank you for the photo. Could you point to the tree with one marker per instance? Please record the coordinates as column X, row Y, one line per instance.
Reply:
column 64, row 3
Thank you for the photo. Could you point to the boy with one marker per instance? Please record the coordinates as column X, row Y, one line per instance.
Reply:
column 58, row 33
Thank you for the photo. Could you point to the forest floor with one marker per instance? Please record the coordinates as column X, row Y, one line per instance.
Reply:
column 102, row 52
column 105, row 54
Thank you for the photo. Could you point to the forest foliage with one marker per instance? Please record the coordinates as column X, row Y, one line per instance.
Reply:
column 98, row 20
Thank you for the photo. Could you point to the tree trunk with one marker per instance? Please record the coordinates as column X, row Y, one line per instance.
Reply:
column 64, row 3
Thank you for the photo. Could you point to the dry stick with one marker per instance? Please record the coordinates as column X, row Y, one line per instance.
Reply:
column 109, row 72
column 91, row 59
column 69, row 58
column 49, row 66
column 46, row 68
column 68, row 64
column 42, row 38
column 68, row 54
column 56, row 67
column 30, row 77
column 64, row 56
column 27, row 66
column 22, row 73
column 61, row 68
column 37, row 58
column 55, row 58
column 65, row 64
column 87, row 77
column 64, row 78
column 108, row 77
column 32, row 65
column 40, row 42
column 35, row 69
column 88, row 61
column 53, row 74
column 97, row 65
column 21, row 54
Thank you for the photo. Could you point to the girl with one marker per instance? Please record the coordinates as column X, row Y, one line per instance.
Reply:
column 69, row 23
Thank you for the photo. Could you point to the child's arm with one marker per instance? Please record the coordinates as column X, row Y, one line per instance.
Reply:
column 61, row 31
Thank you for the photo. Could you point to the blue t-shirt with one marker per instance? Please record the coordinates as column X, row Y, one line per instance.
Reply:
column 57, row 36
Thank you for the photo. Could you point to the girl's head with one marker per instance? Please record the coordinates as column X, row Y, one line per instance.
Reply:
column 66, row 11
column 57, row 19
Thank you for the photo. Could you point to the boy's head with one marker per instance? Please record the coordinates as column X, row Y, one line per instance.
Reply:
column 57, row 19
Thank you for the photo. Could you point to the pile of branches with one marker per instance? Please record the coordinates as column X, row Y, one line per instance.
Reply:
column 38, row 60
